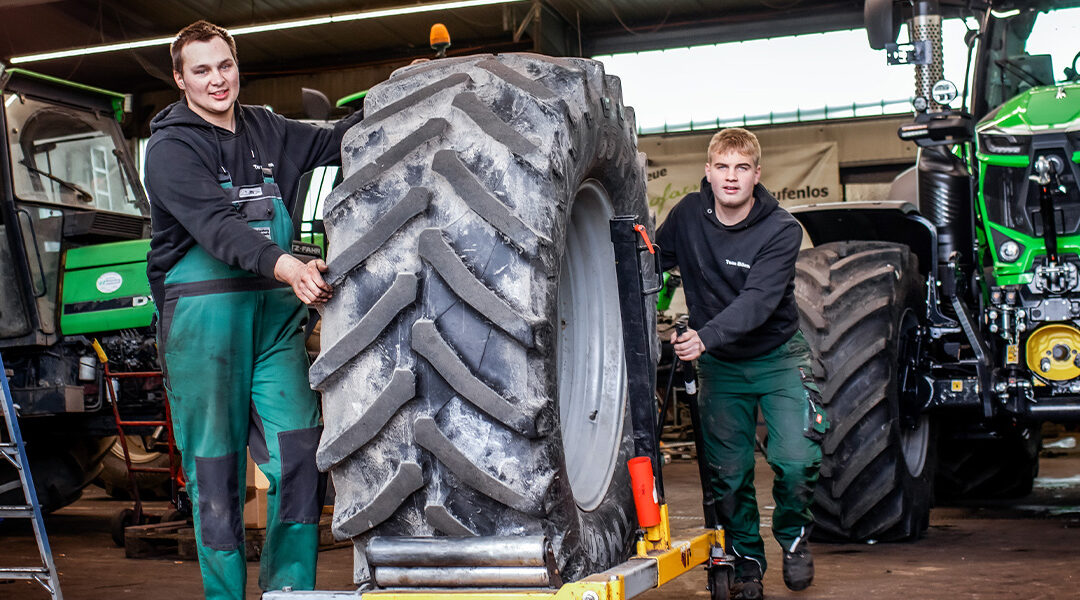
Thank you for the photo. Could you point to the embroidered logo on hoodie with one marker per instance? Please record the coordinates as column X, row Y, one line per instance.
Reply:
column 736, row 263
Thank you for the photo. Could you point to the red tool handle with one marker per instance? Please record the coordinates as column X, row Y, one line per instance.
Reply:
column 645, row 236
column 644, row 485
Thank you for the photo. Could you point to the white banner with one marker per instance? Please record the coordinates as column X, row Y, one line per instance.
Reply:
column 803, row 174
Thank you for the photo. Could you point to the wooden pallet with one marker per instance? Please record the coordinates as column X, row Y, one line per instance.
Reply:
column 176, row 540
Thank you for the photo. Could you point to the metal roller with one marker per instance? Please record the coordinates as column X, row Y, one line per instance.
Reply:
column 492, row 551
column 1047, row 410
column 462, row 577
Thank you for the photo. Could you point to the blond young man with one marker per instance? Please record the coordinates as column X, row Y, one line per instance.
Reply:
column 736, row 249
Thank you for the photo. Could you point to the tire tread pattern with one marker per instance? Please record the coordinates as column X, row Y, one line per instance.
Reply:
column 851, row 296
column 401, row 294
column 470, row 189
column 434, row 249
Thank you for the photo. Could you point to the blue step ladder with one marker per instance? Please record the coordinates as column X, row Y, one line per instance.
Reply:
column 14, row 452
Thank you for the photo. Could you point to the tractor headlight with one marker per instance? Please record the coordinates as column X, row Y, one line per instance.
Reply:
column 1009, row 251
column 1003, row 143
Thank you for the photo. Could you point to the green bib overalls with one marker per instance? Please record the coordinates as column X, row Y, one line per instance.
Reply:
column 236, row 374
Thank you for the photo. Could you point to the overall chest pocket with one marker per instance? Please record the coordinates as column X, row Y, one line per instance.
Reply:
column 258, row 209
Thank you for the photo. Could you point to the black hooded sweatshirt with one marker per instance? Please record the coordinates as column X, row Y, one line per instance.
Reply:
column 739, row 279
column 187, row 204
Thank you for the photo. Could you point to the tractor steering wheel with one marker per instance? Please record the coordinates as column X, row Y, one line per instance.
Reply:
column 1070, row 72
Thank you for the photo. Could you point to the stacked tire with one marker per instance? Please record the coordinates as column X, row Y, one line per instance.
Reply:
column 114, row 473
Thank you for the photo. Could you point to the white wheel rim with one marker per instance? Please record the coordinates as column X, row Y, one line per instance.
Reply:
column 591, row 363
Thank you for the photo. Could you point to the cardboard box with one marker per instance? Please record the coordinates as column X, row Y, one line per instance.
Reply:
column 255, row 497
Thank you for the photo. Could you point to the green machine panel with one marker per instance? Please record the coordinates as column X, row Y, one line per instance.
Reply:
column 105, row 288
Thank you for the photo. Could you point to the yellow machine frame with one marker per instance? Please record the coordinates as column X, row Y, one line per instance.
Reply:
column 658, row 561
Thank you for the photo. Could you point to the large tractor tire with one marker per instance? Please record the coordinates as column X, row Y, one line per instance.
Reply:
column 472, row 362
column 982, row 468
column 61, row 465
column 114, row 473
column 858, row 301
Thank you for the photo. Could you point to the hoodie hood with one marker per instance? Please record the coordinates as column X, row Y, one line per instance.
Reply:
column 177, row 113
column 180, row 117
column 764, row 205
column 177, row 120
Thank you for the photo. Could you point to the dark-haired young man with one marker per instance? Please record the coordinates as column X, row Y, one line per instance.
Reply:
column 222, row 178
column 736, row 249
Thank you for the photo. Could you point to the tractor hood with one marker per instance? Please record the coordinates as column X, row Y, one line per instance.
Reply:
column 1037, row 110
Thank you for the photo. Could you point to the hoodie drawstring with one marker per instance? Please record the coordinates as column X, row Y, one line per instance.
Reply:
column 224, row 179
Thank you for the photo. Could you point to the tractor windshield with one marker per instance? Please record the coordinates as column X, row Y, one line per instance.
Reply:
column 1029, row 48
column 61, row 155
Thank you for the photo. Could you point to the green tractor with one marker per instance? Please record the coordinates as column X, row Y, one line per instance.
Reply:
column 946, row 322
column 74, row 223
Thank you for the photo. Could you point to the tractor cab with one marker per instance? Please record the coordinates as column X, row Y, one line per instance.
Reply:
column 74, row 223
column 1027, row 96
column 66, row 181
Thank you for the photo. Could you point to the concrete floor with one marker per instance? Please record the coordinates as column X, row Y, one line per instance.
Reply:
column 1019, row 549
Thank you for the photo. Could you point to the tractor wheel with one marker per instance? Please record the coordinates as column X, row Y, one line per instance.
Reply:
column 114, row 475
column 472, row 362
column 858, row 303
column 1003, row 467
column 61, row 465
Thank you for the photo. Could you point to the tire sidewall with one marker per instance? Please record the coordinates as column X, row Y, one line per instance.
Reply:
column 605, row 534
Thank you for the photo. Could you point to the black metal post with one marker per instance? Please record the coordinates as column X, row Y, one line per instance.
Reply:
column 708, row 501
column 666, row 401
column 640, row 367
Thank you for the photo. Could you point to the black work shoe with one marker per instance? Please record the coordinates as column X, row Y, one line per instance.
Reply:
column 798, row 567
column 747, row 588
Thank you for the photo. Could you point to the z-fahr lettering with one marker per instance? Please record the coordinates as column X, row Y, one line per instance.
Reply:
column 736, row 263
